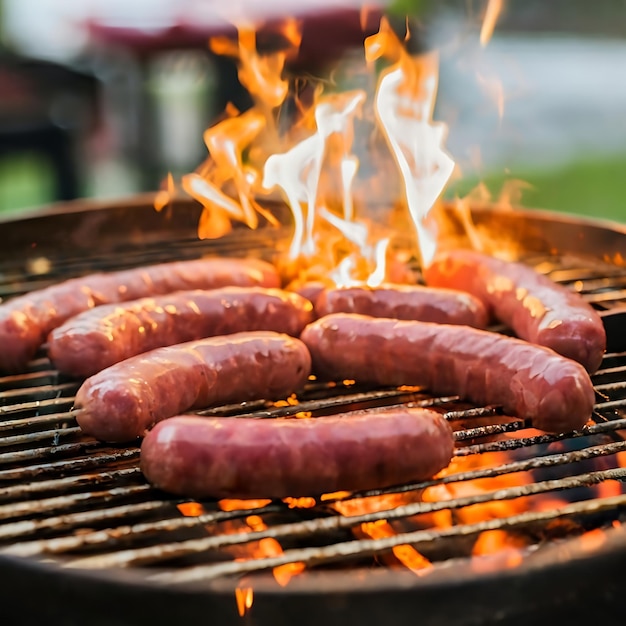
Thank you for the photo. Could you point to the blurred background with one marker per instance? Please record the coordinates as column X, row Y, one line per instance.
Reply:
column 102, row 98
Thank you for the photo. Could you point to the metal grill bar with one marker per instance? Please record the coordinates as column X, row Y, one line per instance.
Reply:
column 606, row 296
column 42, row 435
column 108, row 538
column 163, row 552
column 69, row 521
column 35, row 454
column 24, row 379
column 359, row 548
column 483, row 431
column 66, row 484
column 36, row 405
column 43, row 390
column 60, row 467
column 43, row 420
column 60, row 503
column 526, row 442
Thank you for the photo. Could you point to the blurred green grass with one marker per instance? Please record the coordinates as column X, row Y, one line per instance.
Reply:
column 594, row 188
column 26, row 180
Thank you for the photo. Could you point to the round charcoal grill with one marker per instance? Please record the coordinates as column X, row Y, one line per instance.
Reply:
column 85, row 540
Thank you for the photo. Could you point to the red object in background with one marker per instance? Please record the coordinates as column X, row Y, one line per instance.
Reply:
column 328, row 30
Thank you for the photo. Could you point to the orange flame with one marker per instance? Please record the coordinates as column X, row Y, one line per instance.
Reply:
column 492, row 541
column 297, row 172
column 263, row 548
column 406, row 554
column 404, row 105
column 489, row 510
column 504, row 548
column 253, row 133
column 241, row 505
column 269, row 547
column 316, row 175
column 191, row 509
column 494, row 8
column 244, row 597
column 164, row 196
column 300, row 503
column 593, row 539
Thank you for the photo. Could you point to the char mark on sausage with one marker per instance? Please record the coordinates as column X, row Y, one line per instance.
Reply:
column 528, row 381
column 26, row 321
column 95, row 339
column 121, row 402
column 275, row 458
column 535, row 307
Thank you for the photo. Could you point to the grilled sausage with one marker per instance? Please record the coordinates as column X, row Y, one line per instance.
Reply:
column 310, row 290
column 529, row 381
column 121, row 402
column 535, row 307
column 276, row 458
column 25, row 321
column 404, row 302
column 100, row 337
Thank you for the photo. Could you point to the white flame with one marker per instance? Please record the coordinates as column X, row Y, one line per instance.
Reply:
column 416, row 143
column 209, row 195
column 375, row 255
column 297, row 171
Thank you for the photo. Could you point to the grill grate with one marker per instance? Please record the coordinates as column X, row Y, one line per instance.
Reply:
column 86, row 505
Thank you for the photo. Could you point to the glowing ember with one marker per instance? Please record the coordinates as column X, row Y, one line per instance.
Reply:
column 242, row 505
column 190, row 509
column 493, row 541
column 593, row 539
column 300, row 503
column 498, row 549
column 284, row 573
column 493, row 509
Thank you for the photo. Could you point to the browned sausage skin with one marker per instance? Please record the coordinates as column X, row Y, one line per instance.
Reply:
column 529, row 381
column 121, row 402
column 100, row 337
column 25, row 321
column 404, row 302
column 276, row 458
column 535, row 307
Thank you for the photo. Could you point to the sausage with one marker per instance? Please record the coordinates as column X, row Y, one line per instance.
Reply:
column 529, row 381
column 275, row 458
column 310, row 289
column 100, row 337
column 535, row 307
column 404, row 302
column 121, row 402
column 26, row 321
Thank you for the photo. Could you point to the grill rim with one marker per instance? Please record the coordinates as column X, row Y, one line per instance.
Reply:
column 550, row 558
column 354, row 583
column 358, row 594
column 543, row 229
